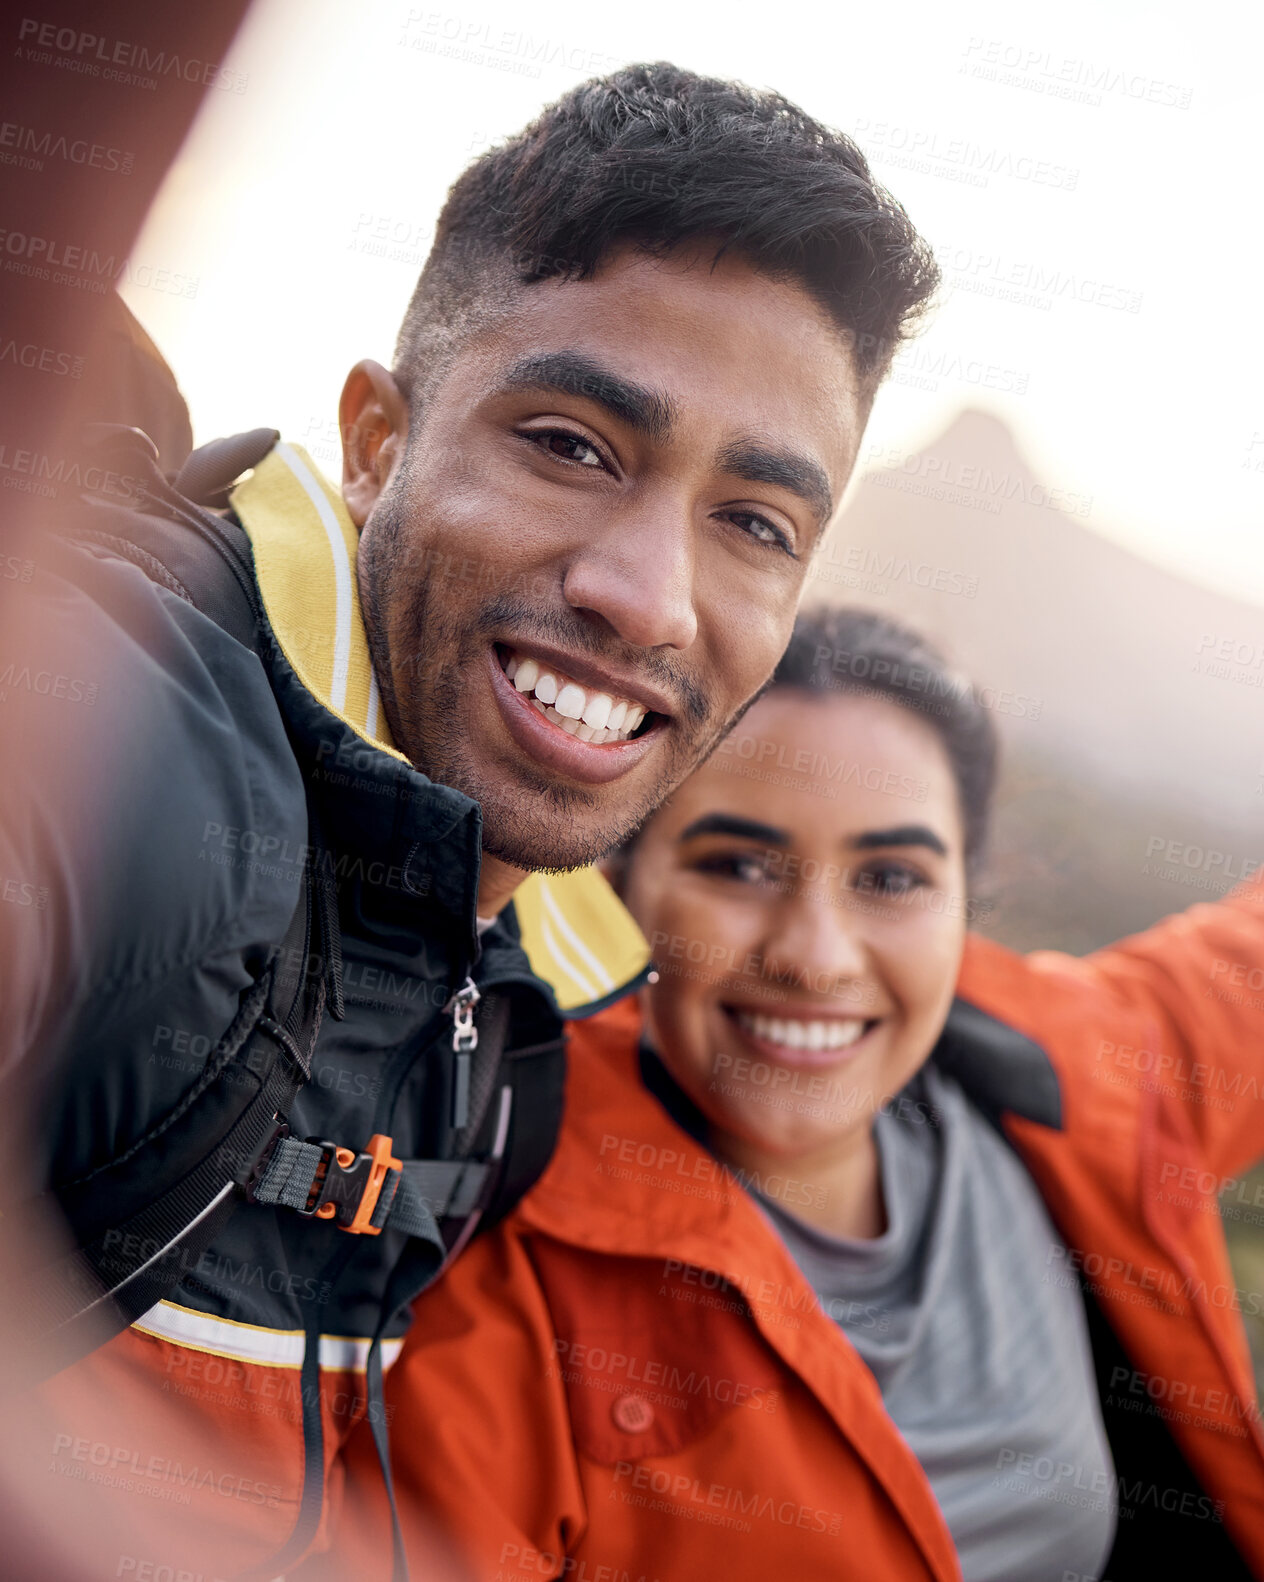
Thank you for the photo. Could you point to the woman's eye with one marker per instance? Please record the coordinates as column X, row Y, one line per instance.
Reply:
column 734, row 865
column 764, row 531
column 889, row 879
column 571, row 447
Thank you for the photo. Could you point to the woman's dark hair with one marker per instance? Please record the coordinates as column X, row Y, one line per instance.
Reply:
column 860, row 651
column 658, row 156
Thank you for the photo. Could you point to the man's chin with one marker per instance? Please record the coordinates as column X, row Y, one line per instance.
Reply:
column 535, row 855
column 546, row 825
column 544, row 834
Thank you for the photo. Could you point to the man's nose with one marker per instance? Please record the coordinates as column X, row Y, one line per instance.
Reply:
column 639, row 574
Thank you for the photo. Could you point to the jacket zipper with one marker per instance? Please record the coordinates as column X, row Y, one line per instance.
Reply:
column 464, row 1043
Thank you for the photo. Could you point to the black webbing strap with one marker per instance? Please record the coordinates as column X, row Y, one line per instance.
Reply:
column 431, row 1189
column 81, row 1299
column 418, row 1266
column 131, row 1265
column 412, row 1198
column 422, row 1261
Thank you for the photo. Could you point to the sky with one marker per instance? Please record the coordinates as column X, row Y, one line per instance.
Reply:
column 1086, row 174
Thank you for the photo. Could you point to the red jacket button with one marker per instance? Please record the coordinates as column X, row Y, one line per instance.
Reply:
column 632, row 1413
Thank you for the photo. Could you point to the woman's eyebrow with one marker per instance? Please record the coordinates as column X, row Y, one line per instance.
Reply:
column 731, row 824
column 900, row 835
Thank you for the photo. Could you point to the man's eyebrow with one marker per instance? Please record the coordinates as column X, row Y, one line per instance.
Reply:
column 901, row 835
column 648, row 412
column 761, row 463
column 731, row 824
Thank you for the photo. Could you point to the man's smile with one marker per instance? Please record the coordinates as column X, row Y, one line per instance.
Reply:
column 569, row 723
column 597, row 711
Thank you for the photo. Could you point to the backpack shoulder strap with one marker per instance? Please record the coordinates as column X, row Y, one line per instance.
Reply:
column 132, row 1243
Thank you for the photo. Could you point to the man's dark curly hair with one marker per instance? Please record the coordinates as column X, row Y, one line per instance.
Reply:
column 657, row 156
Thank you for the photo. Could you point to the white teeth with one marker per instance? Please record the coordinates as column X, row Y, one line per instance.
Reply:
column 595, row 717
column 597, row 710
column 570, row 701
column 792, row 1033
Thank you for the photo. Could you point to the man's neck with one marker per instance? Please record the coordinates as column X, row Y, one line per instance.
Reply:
column 497, row 882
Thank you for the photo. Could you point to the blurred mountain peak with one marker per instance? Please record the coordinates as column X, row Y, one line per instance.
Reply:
column 976, row 430
column 1095, row 655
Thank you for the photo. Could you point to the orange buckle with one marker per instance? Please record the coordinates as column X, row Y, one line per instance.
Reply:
column 351, row 1185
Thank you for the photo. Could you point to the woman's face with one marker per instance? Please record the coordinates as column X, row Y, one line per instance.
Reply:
column 803, row 893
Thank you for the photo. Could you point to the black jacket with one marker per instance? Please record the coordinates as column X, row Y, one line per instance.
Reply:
column 161, row 775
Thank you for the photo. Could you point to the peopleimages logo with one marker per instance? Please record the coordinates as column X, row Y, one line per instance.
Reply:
column 928, row 150
column 40, row 359
column 587, row 1361
column 680, row 1488
column 1029, row 283
column 847, row 563
column 118, row 60
column 1067, row 76
column 819, row 766
column 481, row 42
column 1004, row 487
column 121, row 1466
column 39, row 146
column 1067, row 1476
column 1203, row 859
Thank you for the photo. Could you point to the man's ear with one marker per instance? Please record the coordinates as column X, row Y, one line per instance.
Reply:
column 373, row 422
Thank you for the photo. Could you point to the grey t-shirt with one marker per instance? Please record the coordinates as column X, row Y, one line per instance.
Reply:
column 984, row 1367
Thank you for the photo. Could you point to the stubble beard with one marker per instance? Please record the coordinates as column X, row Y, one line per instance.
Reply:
column 421, row 649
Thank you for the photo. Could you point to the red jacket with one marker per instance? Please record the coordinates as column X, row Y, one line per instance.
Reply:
column 630, row 1379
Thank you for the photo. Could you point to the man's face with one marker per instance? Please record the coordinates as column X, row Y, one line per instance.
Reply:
column 587, row 557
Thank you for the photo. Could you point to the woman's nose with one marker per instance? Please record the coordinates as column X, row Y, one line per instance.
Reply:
column 822, row 938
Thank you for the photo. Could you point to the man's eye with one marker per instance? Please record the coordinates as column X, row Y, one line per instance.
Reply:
column 889, row 879
column 571, row 447
column 764, row 531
